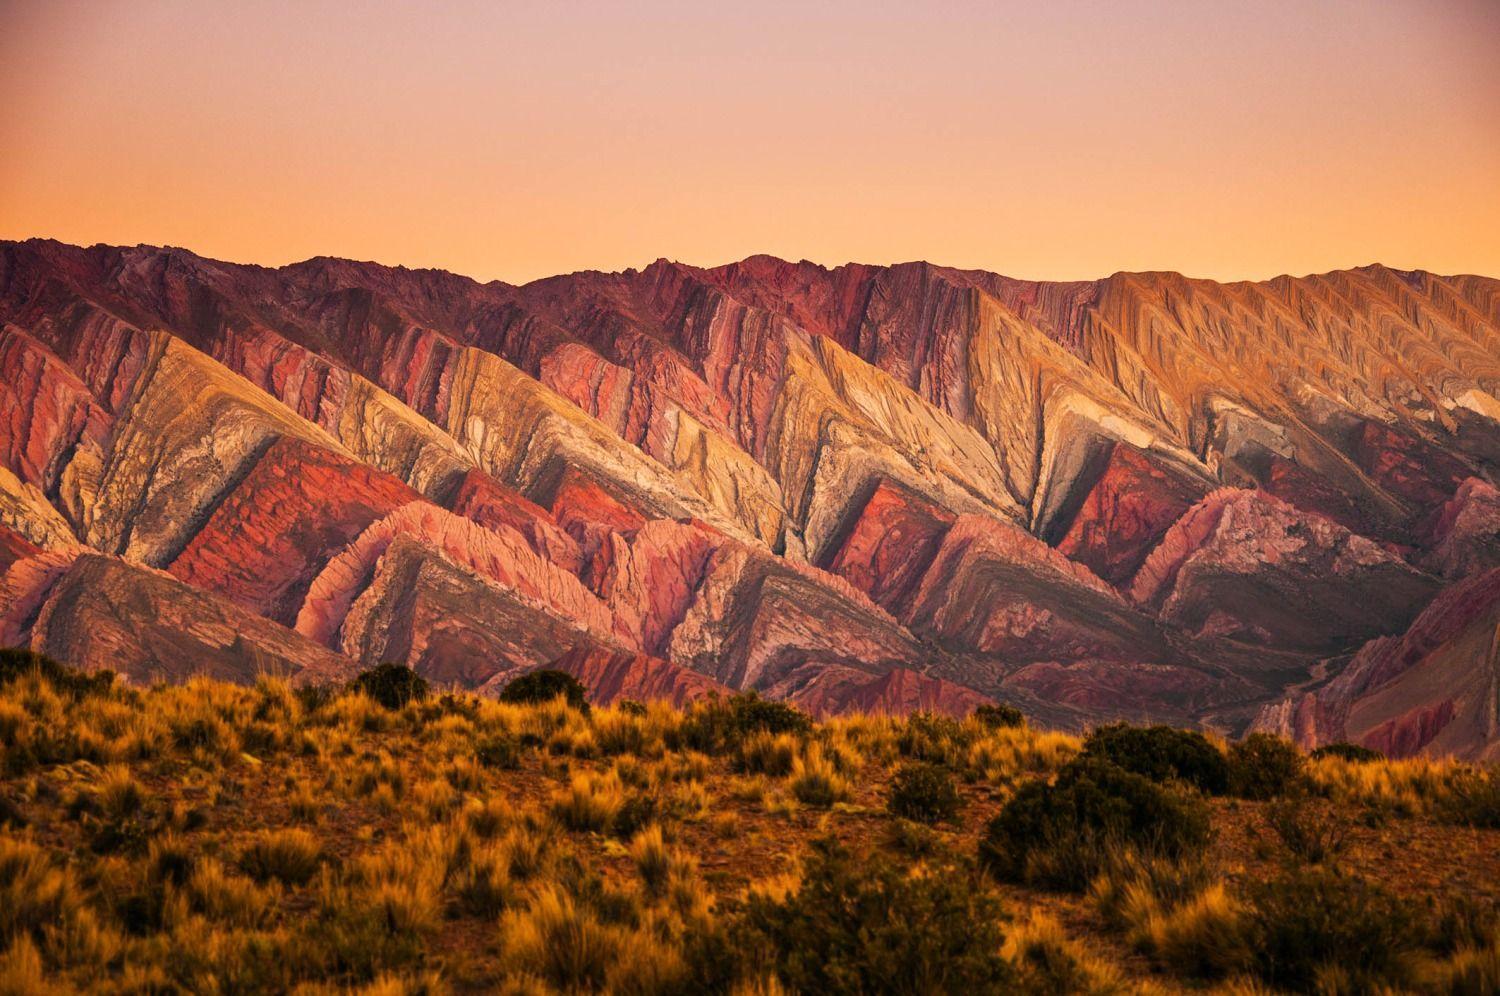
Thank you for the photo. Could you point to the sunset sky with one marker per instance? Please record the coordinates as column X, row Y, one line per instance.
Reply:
column 1061, row 139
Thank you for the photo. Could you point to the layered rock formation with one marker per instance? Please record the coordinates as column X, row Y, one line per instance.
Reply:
column 874, row 488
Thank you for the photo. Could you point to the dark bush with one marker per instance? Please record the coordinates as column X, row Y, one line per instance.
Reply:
column 392, row 685
column 924, row 793
column 1060, row 835
column 867, row 927
column 546, row 685
column 1000, row 716
column 1313, row 920
column 16, row 662
column 1162, row 753
column 1349, row 752
column 718, row 725
column 631, row 707
column 1262, row 766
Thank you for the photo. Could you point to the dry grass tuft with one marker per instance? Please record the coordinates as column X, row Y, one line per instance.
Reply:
column 289, row 856
column 816, row 780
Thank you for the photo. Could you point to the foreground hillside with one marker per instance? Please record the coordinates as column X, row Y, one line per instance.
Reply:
column 211, row 837
column 862, row 489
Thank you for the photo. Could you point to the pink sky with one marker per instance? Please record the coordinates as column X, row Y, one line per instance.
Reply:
column 1057, row 140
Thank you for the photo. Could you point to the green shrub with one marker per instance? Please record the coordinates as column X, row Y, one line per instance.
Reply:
column 16, row 662
column 999, row 716
column 1162, row 753
column 1346, row 751
column 717, row 725
column 1262, row 766
column 867, row 927
column 546, row 685
column 924, row 793
column 1060, row 835
column 1311, row 922
column 392, row 685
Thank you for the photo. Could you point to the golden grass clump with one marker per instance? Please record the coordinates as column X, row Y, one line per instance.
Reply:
column 291, row 856
column 1048, row 960
column 816, row 780
column 219, row 894
column 21, row 970
column 561, row 942
column 653, row 859
column 35, row 891
column 1180, row 912
column 590, row 802
column 770, row 754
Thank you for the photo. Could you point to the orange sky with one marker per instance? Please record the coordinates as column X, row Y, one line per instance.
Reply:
column 1057, row 140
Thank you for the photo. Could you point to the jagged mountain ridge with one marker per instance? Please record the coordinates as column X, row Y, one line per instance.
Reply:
column 872, row 487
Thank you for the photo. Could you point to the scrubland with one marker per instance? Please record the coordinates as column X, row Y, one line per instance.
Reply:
column 389, row 838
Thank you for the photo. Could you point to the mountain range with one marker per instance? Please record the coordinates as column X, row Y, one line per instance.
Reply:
column 1244, row 506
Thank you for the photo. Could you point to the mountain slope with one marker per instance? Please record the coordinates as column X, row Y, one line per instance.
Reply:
column 864, row 487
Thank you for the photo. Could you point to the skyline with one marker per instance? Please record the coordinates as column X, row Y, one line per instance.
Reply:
column 522, row 142
column 719, row 264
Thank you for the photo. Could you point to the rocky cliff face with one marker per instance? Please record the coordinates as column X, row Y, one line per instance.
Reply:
column 877, row 488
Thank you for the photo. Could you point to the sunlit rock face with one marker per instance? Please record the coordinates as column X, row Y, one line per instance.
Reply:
column 863, row 488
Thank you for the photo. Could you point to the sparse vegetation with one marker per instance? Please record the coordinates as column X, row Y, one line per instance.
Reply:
column 208, row 837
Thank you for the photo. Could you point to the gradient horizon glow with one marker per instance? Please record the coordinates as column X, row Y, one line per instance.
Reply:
column 1060, row 140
